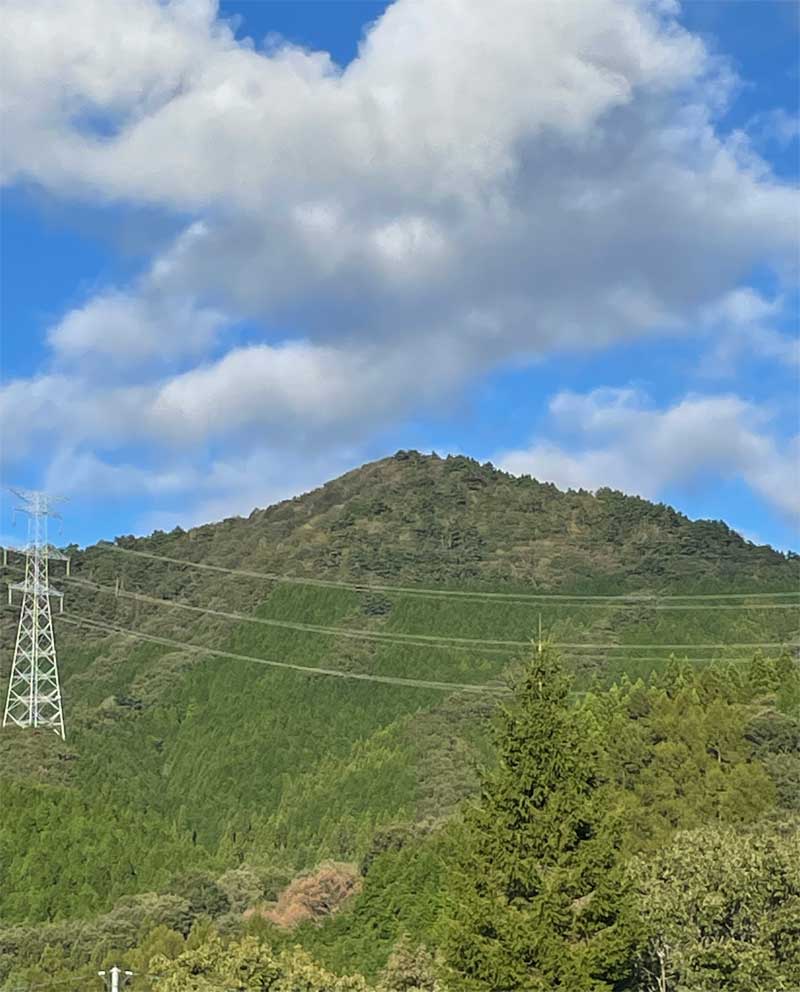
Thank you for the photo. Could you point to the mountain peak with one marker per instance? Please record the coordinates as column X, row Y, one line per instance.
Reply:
column 415, row 518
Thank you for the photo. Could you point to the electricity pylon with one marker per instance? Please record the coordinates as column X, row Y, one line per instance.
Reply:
column 34, row 692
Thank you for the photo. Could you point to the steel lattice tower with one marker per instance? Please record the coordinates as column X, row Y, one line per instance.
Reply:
column 34, row 692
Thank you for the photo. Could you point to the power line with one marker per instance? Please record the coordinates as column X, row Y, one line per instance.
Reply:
column 308, row 669
column 399, row 637
column 726, row 606
column 390, row 636
column 630, row 599
column 650, row 602
column 655, row 646
column 657, row 652
column 416, row 640
column 271, row 662
column 421, row 640
column 607, row 656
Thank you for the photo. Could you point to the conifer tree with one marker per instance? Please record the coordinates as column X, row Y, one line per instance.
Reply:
column 536, row 900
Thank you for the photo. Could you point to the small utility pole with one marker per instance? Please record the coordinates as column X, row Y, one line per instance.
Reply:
column 540, row 633
column 114, row 975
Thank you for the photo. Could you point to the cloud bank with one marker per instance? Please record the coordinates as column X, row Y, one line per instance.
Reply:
column 625, row 443
column 484, row 184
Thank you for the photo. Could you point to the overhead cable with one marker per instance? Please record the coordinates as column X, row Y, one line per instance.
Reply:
column 628, row 599
column 274, row 663
column 418, row 640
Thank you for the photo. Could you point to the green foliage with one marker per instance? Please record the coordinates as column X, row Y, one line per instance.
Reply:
column 201, row 892
column 60, row 856
column 246, row 966
column 674, row 759
column 409, row 969
column 537, row 900
column 591, row 802
column 193, row 788
column 402, row 895
column 721, row 910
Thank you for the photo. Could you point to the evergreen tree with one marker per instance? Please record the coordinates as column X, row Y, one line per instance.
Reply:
column 536, row 900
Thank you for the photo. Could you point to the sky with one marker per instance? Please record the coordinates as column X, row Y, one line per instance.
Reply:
column 248, row 246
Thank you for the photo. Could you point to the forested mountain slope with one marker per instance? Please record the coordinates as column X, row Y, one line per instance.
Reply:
column 182, row 765
column 416, row 519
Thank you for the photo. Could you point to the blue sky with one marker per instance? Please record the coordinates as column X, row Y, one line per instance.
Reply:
column 563, row 239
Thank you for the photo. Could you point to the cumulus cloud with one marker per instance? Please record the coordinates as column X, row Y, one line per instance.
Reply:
column 83, row 472
column 282, row 395
column 745, row 323
column 128, row 329
column 53, row 409
column 300, row 390
column 237, row 484
column 621, row 441
column 541, row 163
column 171, row 77
column 776, row 126
column 147, row 324
column 483, row 184
column 262, row 386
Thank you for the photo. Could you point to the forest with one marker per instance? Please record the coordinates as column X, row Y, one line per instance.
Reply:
column 607, row 797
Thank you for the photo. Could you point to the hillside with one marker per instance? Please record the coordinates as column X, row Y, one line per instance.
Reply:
column 179, row 762
column 420, row 519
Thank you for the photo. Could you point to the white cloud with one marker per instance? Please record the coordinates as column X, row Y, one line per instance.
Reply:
column 298, row 389
column 546, row 157
column 282, row 395
column 129, row 329
column 174, row 81
column 42, row 412
column 776, row 126
column 236, row 485
column 624, row 443
column 744, row 323
column 485, row 183
column 743, row 307
column 83, row 473
column 148, row 324
column 261, row 386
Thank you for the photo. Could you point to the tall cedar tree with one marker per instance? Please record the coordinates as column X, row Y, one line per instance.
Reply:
column 537, row 900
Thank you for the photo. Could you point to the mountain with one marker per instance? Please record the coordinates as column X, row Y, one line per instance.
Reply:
column 419, row 519
column 181, row 764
